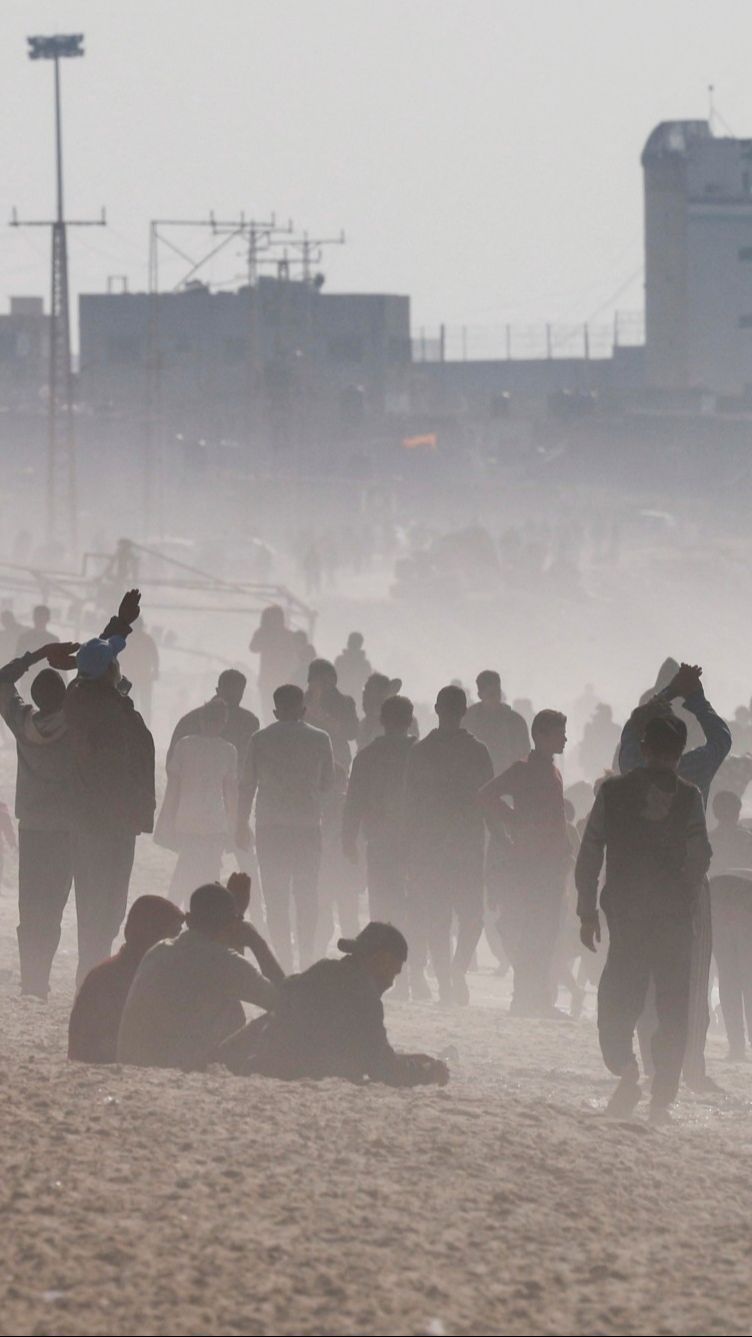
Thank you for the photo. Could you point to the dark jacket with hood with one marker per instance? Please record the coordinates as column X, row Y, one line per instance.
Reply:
column 44, row 762
column 112, row 752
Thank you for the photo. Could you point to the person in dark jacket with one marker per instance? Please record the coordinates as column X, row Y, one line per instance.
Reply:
column 375, row 808
column 651, row 826
column 538, row 860
column 329, row 1021
column 445, row 841
column 112, row 761
column 43, row 808
column 699, row 765
column 99, row 1003
column 493, row 722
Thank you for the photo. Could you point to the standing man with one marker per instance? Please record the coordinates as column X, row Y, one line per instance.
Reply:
column 142, row 665
column 375, row 807
column 240, row 723
column 651, row 826
column 539, row 858
column 446, row 841
column 37, row 636
column 288, row 768
column 699, row 767
column 240, row 726
column 43, row 808
column 112, row 755
column 494, row 723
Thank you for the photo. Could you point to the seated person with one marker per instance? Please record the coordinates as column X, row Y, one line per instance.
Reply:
column 187, row 994
column 94, row 1021
column 329, row 1021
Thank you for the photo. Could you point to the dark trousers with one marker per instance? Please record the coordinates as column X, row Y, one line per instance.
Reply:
column 45, row 875
column 449, row 898
column 289, row 861
column 699, row 989
column 641, row 950
column 390, row 903
column 732, row 945
column 102, row 864
column 529, row 923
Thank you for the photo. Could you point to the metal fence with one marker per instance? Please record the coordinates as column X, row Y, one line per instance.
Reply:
column 462, row 343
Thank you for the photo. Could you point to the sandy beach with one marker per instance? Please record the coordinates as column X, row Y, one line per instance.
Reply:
column 142, row 1202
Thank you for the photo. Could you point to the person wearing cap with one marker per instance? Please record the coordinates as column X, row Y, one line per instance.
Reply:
column 650, row 824
column 187, row 994
column 288, row 770
column 43, row 807
column 329, row 1021
column 112, row 756
column 445, row 841
column 375, row 808
column 99, row 1003
column 699, row 765
column 375, row 692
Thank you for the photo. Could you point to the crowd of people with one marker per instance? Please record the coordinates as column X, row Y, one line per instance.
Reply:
column 465, row 831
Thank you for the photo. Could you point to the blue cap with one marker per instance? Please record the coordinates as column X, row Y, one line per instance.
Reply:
column 94, row 657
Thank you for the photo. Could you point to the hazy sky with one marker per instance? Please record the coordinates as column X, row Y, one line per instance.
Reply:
column 482, row 156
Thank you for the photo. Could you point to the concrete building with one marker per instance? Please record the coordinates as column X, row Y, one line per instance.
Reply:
column 698, row 260
column 278, row 367
column 24, row 352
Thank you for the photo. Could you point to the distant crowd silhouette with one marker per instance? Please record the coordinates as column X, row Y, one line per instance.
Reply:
column 464, row 831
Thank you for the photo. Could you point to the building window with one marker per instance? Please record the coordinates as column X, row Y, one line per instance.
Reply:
column 745, row 252
column 745, row 322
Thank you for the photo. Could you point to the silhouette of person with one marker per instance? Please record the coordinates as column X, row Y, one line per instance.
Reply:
column 503, row 730
column 141, row 663
column 38, row 635
column 699, row 766
column 539, row 857
column 651, row 826
column 112, row 754
column 375, row 808
column 329, row 1021
column 288, row 769
column 353, row 668
column 446, row 841
column 273, row 643
column 199, row 813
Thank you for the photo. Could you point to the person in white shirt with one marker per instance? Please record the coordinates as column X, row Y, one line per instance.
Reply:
column 199, row 812
column 288, row 766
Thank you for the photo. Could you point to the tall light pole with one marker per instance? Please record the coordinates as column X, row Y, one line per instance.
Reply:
column 61, row 445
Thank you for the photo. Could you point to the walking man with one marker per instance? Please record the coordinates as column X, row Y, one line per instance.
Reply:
column 651, row 826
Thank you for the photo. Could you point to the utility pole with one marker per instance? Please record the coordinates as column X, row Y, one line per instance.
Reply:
column 61, row 440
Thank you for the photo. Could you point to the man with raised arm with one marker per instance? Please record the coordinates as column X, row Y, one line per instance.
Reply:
column 699, row 766
column 650, row 824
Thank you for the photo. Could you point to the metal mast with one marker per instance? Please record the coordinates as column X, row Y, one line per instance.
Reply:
column 62, row 499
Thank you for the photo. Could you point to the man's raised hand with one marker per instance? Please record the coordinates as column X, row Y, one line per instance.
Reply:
column 130, row 607
column 61, row 654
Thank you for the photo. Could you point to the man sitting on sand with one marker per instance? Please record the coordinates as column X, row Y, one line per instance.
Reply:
column 187, row 994
column 94, row 1021
column 329, row 1021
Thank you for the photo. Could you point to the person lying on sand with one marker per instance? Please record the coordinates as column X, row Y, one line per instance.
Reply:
column 95, row 1018
column 187, row 994
column 329, row 1021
